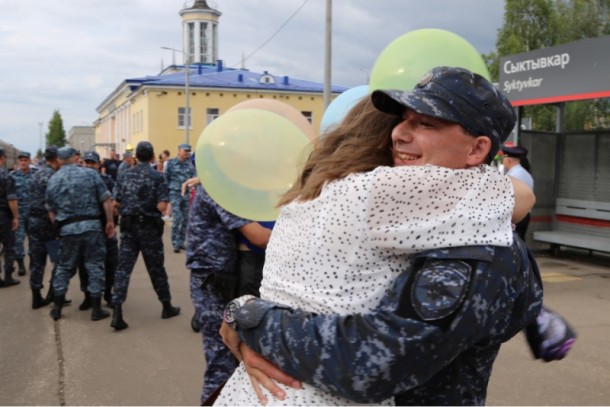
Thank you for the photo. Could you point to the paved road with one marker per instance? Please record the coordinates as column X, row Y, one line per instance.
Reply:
column 159, row 362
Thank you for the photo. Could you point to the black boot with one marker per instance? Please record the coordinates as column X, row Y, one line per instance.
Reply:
column 195, row 325
column 87, row 303
column 169, row 310
column 9, row 281
column 37, row 300
column 97, row 312
column 21, row 267
column 117, row 318
column 57, row 306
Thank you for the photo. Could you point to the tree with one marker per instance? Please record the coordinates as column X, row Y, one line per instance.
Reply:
column 535, row 24
column 56, row 135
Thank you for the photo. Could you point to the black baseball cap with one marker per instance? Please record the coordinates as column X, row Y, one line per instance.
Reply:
column 456, row 95
column 91, row 156
column 517, row 151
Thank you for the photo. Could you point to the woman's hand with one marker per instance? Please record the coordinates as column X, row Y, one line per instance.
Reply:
column 261, row 371
column 264, row 373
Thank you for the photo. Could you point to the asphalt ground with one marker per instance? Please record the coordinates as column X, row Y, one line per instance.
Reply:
column 76, row 361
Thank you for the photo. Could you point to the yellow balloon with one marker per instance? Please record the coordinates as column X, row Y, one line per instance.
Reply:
column 247, row 159
column 405, row 60
column 281, row 108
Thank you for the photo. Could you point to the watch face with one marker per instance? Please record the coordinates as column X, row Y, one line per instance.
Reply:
column 229, row 316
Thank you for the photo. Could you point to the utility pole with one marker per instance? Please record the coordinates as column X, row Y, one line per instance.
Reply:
column 328, row 53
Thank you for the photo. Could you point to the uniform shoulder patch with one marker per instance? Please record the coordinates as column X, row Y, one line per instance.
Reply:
column 439, row 287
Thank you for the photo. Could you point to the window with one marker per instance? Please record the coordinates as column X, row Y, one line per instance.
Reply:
column 191, row 41
column 308, row 116
column 203, row 42
column 211, row 115
column 182, row 118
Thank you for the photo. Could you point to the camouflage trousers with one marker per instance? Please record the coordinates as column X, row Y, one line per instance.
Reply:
column 180, row 213
column 7, row 238
column 20, row 234
column 41, row 231
column 110, row 266
column 145, row 239
column 209, row 307
column 87, row 247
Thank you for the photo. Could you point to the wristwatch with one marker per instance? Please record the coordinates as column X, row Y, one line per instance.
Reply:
column 232, row 307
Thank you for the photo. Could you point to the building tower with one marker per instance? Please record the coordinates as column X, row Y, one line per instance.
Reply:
column 200, row 33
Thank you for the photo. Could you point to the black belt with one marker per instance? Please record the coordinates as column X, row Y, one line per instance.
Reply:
column 76, row 219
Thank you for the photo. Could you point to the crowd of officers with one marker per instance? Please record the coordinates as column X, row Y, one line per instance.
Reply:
column 68, row 207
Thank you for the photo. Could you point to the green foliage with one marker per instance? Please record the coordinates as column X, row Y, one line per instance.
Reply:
column 535, row 24
column 56, row 134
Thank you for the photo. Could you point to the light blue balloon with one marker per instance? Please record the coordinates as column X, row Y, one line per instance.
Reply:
column 338, row 108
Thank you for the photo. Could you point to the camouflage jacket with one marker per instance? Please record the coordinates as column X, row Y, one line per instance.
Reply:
column 139, row 190
column 75, row 192
column 38, row 188
column 8, row 192
column 177, row 172
column 22, row 183
column 432, row 340
column 211, row 244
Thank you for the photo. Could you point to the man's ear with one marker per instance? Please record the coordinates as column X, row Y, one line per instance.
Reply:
column 479, row 150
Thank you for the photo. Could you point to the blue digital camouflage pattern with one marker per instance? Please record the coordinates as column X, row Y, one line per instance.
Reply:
column 41, row 229
column 176, row 173
column 112, row 247
column 124, row 166
column 394, row 351
column 88, row 249
column 112, row 251
column 211, row 248
column 138, row 191
column 22, row 184
column 211, row 243
column 75, row 191
column 8, row 192
column 209, row 307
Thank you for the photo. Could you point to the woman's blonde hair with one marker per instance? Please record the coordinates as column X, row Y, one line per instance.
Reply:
column 360, row 143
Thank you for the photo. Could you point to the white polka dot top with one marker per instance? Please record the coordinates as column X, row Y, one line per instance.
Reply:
column 340, row 252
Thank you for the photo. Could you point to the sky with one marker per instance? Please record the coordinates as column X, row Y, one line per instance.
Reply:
column 68, row 55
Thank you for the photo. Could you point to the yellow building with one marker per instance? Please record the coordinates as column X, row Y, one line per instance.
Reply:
column 154, row 108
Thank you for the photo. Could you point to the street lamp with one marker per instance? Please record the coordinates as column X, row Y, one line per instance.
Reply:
column 187, row 66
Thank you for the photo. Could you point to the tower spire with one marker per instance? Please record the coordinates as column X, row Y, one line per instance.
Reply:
column 200, row 33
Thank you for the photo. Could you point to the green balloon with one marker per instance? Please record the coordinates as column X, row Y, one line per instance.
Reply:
column 406, row 59
column 246, row 160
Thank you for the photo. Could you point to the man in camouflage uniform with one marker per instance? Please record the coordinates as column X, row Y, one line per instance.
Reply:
column 41, row 228
column 211, row 253
column 9, row 221
column 435, row 335
column 74, row 196
column 91, row 159
column 179, row 169
column 23, row 178
column 126, row 164
column 141, row 196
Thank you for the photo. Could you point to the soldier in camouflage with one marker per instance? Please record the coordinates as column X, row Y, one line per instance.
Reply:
column 41, row 228
column 419, row 342
column 433, row 338
column 23, row 178
column 141, row 196
column 91, row 159
column 9, row 221
column 74, row 197
column 211, row 254
column 179, row 169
